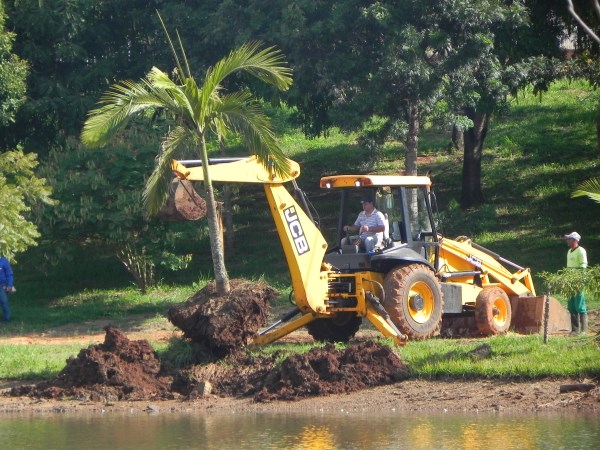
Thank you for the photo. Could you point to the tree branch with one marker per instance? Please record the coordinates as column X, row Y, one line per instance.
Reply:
column 579, row 20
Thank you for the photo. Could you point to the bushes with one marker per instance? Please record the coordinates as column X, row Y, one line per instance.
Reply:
column 455, row 221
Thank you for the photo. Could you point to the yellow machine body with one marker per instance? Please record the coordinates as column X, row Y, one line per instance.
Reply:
column 467, row 273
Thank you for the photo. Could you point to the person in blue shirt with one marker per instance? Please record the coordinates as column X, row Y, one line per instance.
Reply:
column 6, row 286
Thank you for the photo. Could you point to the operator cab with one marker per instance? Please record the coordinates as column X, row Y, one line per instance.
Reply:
column 410, row 230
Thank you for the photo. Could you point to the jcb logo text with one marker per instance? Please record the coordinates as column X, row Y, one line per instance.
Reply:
column 296, row 230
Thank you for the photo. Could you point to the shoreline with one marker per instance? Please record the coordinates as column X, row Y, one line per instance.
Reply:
column 475, row 396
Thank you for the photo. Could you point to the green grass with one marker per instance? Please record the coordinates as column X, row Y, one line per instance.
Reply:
column 109, row 305
column 507, row 357
column 34, row 361
column 510, row 356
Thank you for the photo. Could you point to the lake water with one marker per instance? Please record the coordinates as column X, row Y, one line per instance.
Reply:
column 299, row 431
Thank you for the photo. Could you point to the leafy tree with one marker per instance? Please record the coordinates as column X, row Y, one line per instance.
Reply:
column 399, row 60
column 100, row 207
column 20, row 188
column 567, row 282
column 590, row 188
column 199, row 113
column 76, row 49
column 13, row 74
column 20, row 191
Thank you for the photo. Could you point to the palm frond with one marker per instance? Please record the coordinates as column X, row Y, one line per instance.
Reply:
column 589, row 188
column 156, row 190
column 178, row 99
column 121, row 102
column 188, row 72
column 240, row 112
column 125, row 100
column 267, row 65
column 175, row 55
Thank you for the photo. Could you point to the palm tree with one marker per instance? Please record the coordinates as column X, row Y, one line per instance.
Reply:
column 199, row 113
column 590, row 188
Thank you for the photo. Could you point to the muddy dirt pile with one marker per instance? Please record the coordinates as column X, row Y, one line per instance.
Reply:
column 321, row 371
column 118, row 369
column 224, row 324
column 324, row 371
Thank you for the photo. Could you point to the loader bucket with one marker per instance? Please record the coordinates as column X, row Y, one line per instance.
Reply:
column 529, row 315
column 183, row 203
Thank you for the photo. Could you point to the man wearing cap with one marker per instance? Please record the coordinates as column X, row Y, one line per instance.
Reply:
column 577, row 259
column 370, row 224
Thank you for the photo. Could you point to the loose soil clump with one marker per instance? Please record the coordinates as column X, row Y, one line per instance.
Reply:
column 223, row 325
column 325, row 371
column 118, row 369
column 321, row 371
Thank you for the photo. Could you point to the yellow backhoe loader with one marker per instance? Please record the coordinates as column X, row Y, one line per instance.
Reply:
column 408, row 286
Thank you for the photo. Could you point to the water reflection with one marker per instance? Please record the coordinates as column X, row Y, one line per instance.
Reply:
column 298, row 431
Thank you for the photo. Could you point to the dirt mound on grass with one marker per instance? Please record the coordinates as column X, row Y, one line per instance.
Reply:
column 118, row 369
column 321, row 371
column 224, row 324
column 324, row 371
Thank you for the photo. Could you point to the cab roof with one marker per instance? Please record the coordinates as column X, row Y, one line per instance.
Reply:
column 344, row 181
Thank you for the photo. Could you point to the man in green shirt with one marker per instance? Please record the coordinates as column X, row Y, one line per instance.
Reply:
column 577, row 259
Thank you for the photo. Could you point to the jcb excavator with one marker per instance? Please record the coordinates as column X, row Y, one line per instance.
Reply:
column 408, row 285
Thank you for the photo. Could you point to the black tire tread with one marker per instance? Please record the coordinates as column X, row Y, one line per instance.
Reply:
column 397, row 286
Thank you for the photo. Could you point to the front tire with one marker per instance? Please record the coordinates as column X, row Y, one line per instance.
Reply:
column 493, row 313
column 414, row 300
column 339, row 328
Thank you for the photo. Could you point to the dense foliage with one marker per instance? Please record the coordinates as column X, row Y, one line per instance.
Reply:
column 568, row 282
column 100, row 208
column 197, row 112
column 20, row 191
column 13, row 73
column 387, row 69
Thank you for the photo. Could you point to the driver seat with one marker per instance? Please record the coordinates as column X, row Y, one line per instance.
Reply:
column 386, row 242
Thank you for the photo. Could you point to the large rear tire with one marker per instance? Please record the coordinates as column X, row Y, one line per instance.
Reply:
column 492, row 312
column 340, row 328
column 414, row 300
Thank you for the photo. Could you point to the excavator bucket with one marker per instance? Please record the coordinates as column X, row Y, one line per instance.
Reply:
column 183, row 203
column 530, row 314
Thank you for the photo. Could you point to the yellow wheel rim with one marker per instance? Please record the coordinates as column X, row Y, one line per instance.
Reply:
column 421, row 302
column 500, row 312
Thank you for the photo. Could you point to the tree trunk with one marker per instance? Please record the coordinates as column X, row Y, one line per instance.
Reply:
column 472, row 194
column 412, row 139
column 216, row 241
column 458, row 141
column 228, row 214
column 412, row 142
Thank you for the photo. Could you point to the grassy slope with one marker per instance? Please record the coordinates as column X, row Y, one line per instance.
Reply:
column 535, row 155
column 534, row 158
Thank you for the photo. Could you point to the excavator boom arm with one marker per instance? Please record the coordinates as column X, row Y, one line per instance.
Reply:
column 234, row 170
column 303, row 244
